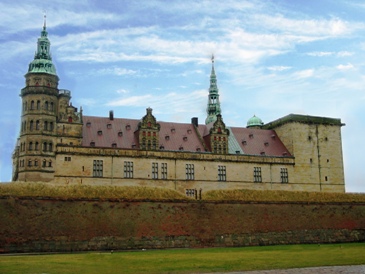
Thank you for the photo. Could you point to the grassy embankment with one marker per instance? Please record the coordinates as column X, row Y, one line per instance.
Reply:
column 189, row 260
column 151, row 193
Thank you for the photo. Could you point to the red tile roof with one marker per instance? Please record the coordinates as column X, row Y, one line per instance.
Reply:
column 104, row 132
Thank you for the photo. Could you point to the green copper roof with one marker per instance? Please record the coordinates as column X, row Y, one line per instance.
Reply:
column 213, row 108
column 254, row 122
column 42, row 62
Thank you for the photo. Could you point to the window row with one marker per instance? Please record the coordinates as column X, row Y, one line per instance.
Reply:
column 257, row 177
column 36, row 105
column 35, row 163
column 36, row 146
column 161, row 173
column 35, row 125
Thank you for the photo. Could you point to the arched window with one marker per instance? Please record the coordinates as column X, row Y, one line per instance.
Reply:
column 31, row 146
column 51, row 126
column 35, row 162
column 51, row 106
column 26, row 106
column 38, row 105
column 45, row 125
column 32, row 105
column 46, row 105
column 25, row 125
column 44, row 163
column 50, row 147
column 36, row 147
column 44, row 146
column 50, row 163
column 31, row 125
column 37, row 125
column 29, row 162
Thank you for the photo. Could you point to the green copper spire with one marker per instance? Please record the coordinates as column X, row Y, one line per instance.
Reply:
column 214, row 107
column 42, row 62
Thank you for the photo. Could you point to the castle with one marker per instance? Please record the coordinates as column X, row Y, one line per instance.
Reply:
column 58, row 143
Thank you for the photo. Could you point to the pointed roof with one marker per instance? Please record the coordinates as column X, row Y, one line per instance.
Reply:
column 42, row 62
column 213, row 107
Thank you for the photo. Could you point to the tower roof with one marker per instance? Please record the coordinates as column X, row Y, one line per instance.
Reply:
column 213, row 107
column 254, row 122
column 42, row 62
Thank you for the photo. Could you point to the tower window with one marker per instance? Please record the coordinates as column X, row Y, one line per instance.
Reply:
column 50, row 163
column 32, row 105
column 37, row 125
column 257, row 175
column 222, row 173
column 31, row 125
column 189, row 170
column 51, row 106
column 31, row 146
column 284, row 175
column 44, row 146
column 70, row 119
column 45, row 125
column 44, row 163
column 46, row 105
column 35, row 162
column 128, row 169
column 51, row 126
column 50, row 147
column 38, row 105
column 98, row 168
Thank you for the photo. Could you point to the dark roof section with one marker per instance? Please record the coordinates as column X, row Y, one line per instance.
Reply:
column 306, row 119
column 121, row 133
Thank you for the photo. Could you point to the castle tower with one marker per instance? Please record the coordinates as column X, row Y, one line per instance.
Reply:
column 213, row 108
column 35, row 151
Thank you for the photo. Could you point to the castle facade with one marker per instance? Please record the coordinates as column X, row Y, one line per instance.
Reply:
column 57, row 143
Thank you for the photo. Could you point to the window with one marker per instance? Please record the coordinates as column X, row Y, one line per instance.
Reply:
column 35, row 162
column 44, row 146
column 221, row 173
column 92, row 144
column 67, row 159
column 154, row 170
column 164, row 171
column 114, row 145
column 51, row 106
column 51, row 126
column 128, row 169
column 98, row 168
column 46, row 105
column 257, row 175
column 32, row 105
column 37, row 125
column 109, row 126
column 31, row 146
column 44, row 163
column 45, row 127
column 31, row 125
column 38, row 105
column 50, row 163
column 100, row 133
column 190, row 192
column 50, row 147
column 284, row 175
column 29, row 163
column 36, row 146
column 189, row 171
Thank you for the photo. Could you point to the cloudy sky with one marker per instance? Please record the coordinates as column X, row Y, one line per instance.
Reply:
column 273, row 58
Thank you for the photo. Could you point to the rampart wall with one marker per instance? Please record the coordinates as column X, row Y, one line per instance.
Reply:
column 63, row 225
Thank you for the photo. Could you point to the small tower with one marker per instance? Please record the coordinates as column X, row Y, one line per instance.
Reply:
column 148, row 132
column 213, row 108
column 254, row 122
column 42, row 127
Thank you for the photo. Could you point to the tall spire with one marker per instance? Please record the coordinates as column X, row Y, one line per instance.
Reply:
column 213, row 108
column 42, row 62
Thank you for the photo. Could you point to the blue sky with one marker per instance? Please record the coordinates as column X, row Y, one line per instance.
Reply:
column 273, row 58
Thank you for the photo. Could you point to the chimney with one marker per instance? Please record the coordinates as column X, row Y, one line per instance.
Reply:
column 111, row 115
column 194, row 121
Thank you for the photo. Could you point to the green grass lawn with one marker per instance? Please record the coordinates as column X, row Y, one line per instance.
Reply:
column 188, row 260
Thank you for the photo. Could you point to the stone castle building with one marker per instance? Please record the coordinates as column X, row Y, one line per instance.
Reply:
column 58, row 143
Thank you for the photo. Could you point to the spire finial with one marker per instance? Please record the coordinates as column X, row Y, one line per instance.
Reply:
column 45, row 19
column 213, row 58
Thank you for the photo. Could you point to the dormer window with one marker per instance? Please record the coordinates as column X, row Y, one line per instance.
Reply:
column 286, row 153
column 251, row 135
column 134, row 146
column 92, row 144
column 189, row 131
column 100, row 132
column 198, row 149
column 120, row 134
column 262, row 153
column 109, row 126
column 173, row 130
column 244, row 142
column 88, row 124
column 266, row 144
column 128, row 127
column 181, row 148
column 114, row 145
column 185, row 138
column 162, row 147
column 167, row 137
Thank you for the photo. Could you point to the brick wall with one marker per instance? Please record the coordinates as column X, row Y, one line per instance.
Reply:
column 41, row 224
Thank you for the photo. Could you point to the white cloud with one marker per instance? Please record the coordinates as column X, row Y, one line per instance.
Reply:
column 304, row 73
column 345, row 67
column 278, row 68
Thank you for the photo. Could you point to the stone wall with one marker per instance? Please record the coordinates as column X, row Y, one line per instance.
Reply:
column 50, row 225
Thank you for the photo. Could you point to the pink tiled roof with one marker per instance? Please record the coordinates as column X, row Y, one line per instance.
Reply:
column 259, row 141
column 104, row 132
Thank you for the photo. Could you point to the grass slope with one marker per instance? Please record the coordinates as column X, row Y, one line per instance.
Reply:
column 189, row 260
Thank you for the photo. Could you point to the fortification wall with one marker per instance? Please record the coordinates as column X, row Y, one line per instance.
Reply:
column 49, row 225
